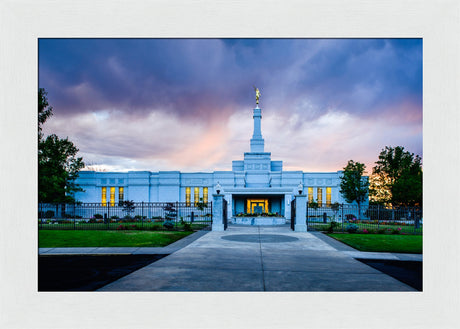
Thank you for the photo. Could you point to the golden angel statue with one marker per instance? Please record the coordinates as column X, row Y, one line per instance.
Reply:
column 257, row 94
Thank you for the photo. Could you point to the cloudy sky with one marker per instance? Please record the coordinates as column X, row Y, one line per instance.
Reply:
column 186, row 104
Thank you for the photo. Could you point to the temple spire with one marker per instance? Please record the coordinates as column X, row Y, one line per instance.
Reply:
column 257, row 142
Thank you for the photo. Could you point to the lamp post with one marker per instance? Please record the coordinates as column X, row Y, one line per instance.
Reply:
column 218, row 188
column 300, row 188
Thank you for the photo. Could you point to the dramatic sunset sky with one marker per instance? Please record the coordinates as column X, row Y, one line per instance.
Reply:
column 186, row 104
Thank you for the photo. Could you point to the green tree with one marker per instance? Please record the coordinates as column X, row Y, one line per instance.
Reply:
column 58, row 165
column 354, row 187
column 401, row 175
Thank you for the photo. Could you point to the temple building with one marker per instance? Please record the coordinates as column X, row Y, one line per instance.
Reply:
column 255, row 184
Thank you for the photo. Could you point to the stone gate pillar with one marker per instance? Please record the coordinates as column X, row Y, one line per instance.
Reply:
column 218, row 212
column 300, row 213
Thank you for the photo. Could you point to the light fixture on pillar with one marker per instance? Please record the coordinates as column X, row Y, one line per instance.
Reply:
column 300, row 188
column 218, row 188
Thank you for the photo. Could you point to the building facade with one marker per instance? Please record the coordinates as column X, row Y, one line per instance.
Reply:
column 255, row 184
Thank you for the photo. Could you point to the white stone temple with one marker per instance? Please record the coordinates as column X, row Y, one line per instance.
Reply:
column 255, row 184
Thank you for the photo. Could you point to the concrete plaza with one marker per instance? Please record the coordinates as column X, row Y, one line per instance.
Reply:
column 257, row 258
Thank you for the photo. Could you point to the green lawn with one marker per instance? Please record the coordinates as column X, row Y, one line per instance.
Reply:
column 80, row 238
column 382, row 242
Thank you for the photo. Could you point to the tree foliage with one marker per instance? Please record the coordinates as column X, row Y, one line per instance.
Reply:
column 401, row 178
column 353, row 186
column 44, row 111
column 58, row 165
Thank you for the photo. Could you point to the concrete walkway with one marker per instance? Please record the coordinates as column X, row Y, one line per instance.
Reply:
column 257, row 259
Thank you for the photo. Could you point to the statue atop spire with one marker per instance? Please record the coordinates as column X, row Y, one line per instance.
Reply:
column 257, row 142
column 257, row 94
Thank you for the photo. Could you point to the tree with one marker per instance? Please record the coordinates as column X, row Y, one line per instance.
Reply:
column 58, row 165
column 401, row 175
column 378, row 193
column 353, row 186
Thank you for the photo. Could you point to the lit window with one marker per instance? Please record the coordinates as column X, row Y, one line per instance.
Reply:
column 310, row 194
column 328, row 196
column 112, row 196
column 205, row 194
column 121, row 194
column 196, row 197
column 104, row 196
column 319, row 196
column 188, row 196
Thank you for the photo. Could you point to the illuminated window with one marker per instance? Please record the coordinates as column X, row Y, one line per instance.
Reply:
column 121, row 194
column 104, row 196
column 112, row 196
column 319, row 196
column 188, row 196
column 328, row 196
column 196, row 197
column 310, row 194
column 205, row 194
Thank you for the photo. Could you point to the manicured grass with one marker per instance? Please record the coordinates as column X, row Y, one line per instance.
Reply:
column 382, row 242
column 80, row 238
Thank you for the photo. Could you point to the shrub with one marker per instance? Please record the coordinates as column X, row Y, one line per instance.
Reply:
column 49, row 214
column 350, row 217
column 187, row 227
column 98, row 216
column 332, row 226
column 114, row 217
column 169, row 225
column 92, row 220
column 352, row 228
column 396, row 230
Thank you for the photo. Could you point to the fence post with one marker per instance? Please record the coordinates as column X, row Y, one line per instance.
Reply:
column 217, row 212
column 142, row 215
column 74, row 216
column 342, row 217
column 177, row 212
column 108, row 215
column 300, row 213
column 40, row 214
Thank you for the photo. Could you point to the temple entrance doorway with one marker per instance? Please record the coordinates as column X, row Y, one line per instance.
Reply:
column 257, row 206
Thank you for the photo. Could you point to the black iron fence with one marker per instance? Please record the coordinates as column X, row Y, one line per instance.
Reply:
column 124, row 216
column 365, row 219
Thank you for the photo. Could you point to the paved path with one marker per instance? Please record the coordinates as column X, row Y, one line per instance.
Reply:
column 260, row 259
